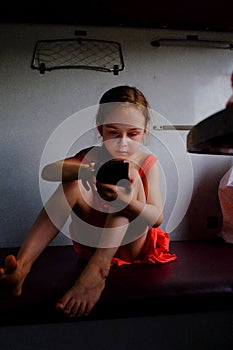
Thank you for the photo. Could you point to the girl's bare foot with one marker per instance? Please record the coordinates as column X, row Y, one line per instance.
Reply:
column 82, row 297
column 11, row 277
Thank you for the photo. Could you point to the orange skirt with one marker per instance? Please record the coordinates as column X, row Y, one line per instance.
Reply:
column 155, row 250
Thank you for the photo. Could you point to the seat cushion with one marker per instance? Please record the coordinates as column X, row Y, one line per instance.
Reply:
column 201, row 279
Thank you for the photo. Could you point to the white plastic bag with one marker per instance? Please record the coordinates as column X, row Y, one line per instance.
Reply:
column 225, row 194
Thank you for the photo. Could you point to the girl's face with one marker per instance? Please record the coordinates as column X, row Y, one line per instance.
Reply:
column 123, row 131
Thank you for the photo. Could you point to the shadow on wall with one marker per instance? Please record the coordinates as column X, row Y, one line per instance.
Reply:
column 20, row 197
column 191, row 204
column 203, row 219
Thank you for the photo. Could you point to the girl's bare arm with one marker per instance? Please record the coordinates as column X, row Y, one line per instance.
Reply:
column 63, row 170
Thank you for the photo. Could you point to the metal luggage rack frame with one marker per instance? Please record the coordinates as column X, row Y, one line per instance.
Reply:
column 78, row 53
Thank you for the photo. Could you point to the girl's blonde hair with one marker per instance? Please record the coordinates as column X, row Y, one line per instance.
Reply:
column 123, row 94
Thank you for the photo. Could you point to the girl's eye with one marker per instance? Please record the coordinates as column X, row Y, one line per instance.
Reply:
column 113, row 133
column 132, row 134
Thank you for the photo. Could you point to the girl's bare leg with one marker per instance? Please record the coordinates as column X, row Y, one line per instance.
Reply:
column 82, row 297
column 43, row 231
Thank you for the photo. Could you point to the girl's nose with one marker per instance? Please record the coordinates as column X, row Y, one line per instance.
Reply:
column 123, row 141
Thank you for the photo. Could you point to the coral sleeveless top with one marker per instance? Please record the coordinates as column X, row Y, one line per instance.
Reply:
column 156, row 246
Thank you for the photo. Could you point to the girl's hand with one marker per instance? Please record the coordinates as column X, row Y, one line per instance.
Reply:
column 111, row 192
column 122, row 193
column 117, row 196
column 86, row 175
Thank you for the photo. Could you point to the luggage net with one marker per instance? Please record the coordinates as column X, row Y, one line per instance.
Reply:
column 99, row 55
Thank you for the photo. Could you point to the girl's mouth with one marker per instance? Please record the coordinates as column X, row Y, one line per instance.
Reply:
column 122, row 152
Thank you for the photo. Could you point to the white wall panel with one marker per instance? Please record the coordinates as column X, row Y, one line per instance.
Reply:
column 184, row 85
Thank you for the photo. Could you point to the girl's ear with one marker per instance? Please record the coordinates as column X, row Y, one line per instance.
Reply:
column 145, row 137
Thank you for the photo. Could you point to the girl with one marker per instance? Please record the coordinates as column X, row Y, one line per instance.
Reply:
column 127, row 216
